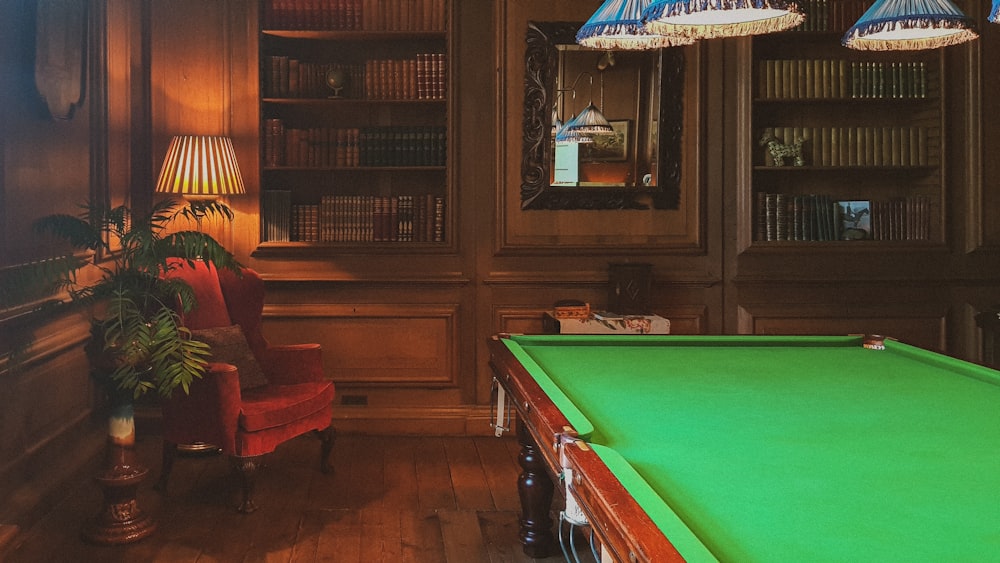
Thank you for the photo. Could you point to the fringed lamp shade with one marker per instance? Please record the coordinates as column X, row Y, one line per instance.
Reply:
column 617, row 25
column 566, row 136
column 995, row 12
column 582, row 128
column 200, row 167
column 908, row 25
column 705, row 19
column 589, row 121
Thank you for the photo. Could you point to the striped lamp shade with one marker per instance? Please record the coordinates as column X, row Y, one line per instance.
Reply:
column 200, row 167
column 618, row 25
column 705, row 19
column 909, row 25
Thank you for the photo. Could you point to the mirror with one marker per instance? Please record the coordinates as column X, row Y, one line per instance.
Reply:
column 640, row 93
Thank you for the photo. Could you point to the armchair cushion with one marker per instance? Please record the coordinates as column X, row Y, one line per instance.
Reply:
column 210, row 309
column 229, row 346
column 282, row 405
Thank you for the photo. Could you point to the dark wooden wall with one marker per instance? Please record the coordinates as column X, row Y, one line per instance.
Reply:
column 406, row 335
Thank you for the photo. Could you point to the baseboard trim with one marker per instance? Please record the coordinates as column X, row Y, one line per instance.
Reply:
column 466, row 420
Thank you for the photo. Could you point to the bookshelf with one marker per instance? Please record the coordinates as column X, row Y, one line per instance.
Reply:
column 859, row 138
column 354, row 124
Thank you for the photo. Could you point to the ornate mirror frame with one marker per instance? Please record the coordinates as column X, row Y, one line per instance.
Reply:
column 540, row 68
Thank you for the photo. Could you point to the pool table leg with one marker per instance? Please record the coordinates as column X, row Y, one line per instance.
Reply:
column 535, row 489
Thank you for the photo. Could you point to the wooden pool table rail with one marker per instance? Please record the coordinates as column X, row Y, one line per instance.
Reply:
column 543, row 432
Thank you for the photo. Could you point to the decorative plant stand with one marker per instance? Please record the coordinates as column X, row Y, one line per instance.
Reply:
column 120, row 520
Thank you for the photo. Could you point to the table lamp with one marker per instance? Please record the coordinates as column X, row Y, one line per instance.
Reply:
column 200, row 168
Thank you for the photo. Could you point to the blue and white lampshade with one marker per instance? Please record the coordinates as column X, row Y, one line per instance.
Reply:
column 618, row 25
column 565, row 136
column 587, row 123
column 909, row 25
column 995, row 12
column 706, row 19
column 590, row 120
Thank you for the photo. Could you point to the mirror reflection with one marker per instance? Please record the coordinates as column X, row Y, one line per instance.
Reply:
column 619, row 85
column 636, row 165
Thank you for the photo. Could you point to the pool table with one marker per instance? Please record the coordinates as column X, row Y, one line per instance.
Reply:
column 756, row 448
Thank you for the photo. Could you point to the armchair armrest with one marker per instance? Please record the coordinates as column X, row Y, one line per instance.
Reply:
column 293, row 363
column 209, row 413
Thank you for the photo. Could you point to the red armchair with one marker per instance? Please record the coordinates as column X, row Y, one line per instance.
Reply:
column 245, row 419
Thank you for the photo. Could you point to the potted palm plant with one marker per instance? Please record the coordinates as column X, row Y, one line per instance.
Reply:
column 138, row 342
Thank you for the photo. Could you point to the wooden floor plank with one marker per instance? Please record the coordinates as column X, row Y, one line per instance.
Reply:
column 421, row 537
column 334, row 490
column 434, row 485
column 306, row 539
column 501, row 470
column 400, row 474
column 500, row 530
column 463, row 538
column 381, row 539
column 285, row 482
column 339, row 536
column 390, row 499
column 365, row 483
column 472, row 490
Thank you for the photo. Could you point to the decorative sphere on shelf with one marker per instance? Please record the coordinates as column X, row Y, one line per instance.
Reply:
column 336, row 80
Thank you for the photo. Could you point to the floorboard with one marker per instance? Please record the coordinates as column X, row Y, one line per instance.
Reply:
column 463, row 539
column 419, row 499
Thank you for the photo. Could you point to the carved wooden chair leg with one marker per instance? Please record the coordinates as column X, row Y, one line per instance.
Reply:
column 328, row 436
column 169, row 454
column 248, row 467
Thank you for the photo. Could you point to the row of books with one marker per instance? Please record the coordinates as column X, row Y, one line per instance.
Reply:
column 785, row 217
column 858, row 146
column 356, row 15
column 330, row 147
column 423, row 77
column 353, row 218
column 831, row 15
column 823, row 78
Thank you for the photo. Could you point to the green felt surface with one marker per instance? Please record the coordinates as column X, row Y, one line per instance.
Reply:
column 793, row 448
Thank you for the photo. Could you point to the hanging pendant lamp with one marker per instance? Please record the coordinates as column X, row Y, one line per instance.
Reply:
column 909, row 25
column 565, row 136
column 588, row 122
column 705, row 19
column 995, row 12
column 617, row 25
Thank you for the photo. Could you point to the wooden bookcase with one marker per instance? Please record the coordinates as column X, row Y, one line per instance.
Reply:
column 869, row 128
column 354, row 118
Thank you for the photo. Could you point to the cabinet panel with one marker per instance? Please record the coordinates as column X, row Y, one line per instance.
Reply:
column 372, row 345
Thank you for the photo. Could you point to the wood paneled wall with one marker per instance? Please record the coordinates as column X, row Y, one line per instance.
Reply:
column 406, row 333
